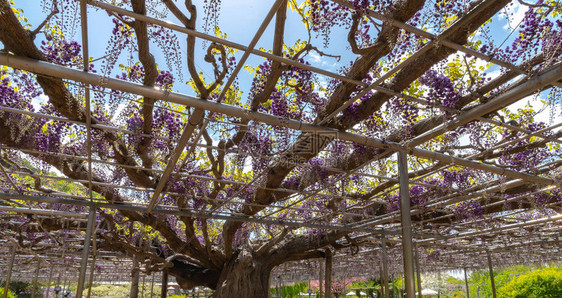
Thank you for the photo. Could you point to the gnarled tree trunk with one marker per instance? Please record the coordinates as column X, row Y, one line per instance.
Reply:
column 245, row 275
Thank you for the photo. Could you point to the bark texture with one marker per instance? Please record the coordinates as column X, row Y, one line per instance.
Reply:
column 245, row 275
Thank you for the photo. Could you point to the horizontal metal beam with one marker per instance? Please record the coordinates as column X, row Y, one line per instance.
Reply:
column 503, row 100
column 177, row 212
column 500, row 228
column 52, row 213
column 49, row 69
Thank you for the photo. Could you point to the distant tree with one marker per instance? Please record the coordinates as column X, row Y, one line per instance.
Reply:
column 542, row 283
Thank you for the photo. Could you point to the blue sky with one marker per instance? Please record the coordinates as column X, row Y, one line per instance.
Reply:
column 240, row 27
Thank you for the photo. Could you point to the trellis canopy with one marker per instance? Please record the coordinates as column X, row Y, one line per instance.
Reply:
column 196, row 141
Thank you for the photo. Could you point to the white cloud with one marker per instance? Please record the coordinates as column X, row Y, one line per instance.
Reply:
column 315, row 57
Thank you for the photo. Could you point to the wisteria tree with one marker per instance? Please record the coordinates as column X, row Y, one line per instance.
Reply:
column 242, row 181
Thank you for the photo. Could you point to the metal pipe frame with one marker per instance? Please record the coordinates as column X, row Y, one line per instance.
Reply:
column 441, row 39
column 49, row 282
column 503, row 201
column 437, row 203
column 433, row 43
column 93, row 264
column 24, row 210
column 94, row 79
column 406, row 223
column 523, row 90
column 502, row 228
column 177, row 212
column 329, row 268
column 86, row 65
column 51, row 213
column 34, row 285
column 10, row 267
column 86, row 252
column 529, row 134
column 278, row 7
column 283, row 60
column 224, row 42
column 491, row 270
column 184, row 175
column 380, row 80
column 444, row 41
column 105, row 127
column 544, row 79
column 198, row 114
column 384, row 260
column 418, row 270
column 466, row 283
column 449, row 200
column 42, row 199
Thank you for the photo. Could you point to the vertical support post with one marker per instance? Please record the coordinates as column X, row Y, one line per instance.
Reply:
column 466, row 283
column 384, row 265
column 164, row 290
column 152, row 285
column 34, row 287
column 491, row 274
column 92, row 272
column 320, row 280
column 328, row 286
column 406, row 223
column 380, row 278
column 93, row 265
column 86, row 251
column 142, row 288
column 10, row 267
column 440, row 282
column 136, row 275
column 49, row 282
column 418, row 271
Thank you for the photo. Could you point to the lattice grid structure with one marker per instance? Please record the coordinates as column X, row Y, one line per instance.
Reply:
column 345, row 177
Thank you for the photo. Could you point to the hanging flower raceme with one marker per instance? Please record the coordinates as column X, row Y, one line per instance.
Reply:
column 135, row 124
column 167, row 123
column 62, row 51
column 441, row 89
column 121, row 38
column 537, row 33
column 325, row 15
column 468, row 209
column 165, row 80
column 522, row 154
column 9, row 97
column 135, row 73
column 170, row 45
column 49, row 138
